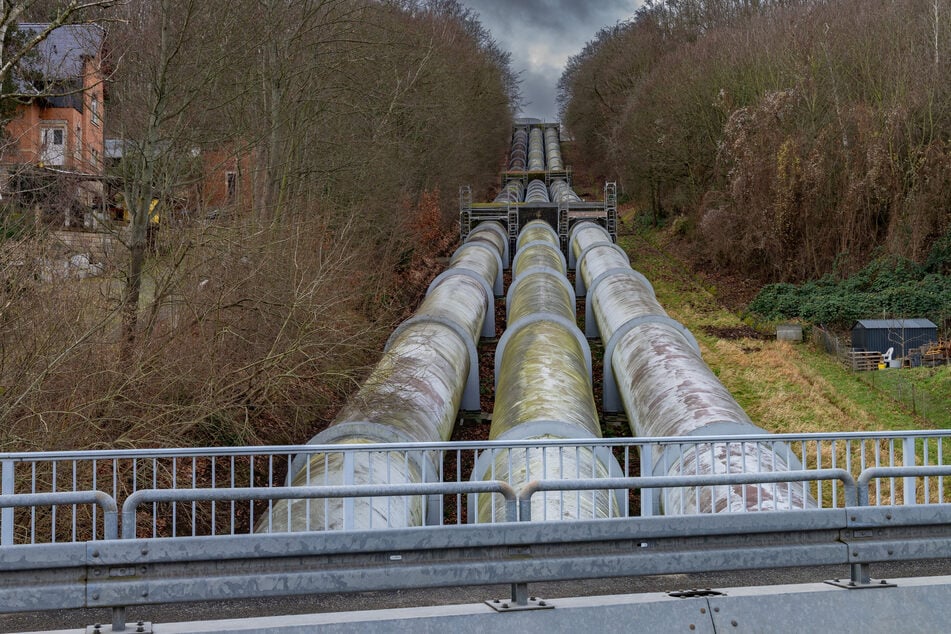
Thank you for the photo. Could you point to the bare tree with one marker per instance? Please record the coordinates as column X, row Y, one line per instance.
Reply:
column 170, row 56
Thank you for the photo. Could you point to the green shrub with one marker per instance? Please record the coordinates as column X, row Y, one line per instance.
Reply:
column 886, row 286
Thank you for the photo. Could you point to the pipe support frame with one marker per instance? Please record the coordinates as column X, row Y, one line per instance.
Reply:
column 585, row 224
column 579, row 261
column 494, row 226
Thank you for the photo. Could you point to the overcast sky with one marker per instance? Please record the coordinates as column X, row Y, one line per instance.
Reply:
column 542, row 35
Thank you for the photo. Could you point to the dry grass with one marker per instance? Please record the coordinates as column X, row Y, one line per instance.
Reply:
column 248, row 334
column 785, row 388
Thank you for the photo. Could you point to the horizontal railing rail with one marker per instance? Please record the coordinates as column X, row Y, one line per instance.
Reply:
column 146, row 496
column 778, row 477
column 122, row 473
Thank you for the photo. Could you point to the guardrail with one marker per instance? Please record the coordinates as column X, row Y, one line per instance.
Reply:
column 131, row 571
column 59, row 523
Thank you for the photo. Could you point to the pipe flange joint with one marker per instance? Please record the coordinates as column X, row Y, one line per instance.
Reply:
column 612, row 397
column 497, row 282
column 538, row 223
column 578, row 226
column 537, row 429
column 378, row 432
column 534, row 270
column 470, row 395
column 590, row 323
column 488, row 322
column 536, row 243
column 426, row 462
column 513, row 329
column 499, row 229
column 579, row 278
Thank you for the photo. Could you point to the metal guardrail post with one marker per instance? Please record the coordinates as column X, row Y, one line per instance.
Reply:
column 647, row 466
column 6, row 516
column 118, row 619
column 348, row 480
column 860, row 573
column 524, row 514
column 908, row 460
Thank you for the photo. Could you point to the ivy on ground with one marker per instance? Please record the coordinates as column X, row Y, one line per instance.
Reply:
column 890, row 287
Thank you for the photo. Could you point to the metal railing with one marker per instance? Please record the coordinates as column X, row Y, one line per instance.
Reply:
column 208, row 499
column 119, row 573
column 229, row 491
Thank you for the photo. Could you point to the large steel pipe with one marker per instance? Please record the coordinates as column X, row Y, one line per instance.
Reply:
column 654, row 366
column 536, row 150
column 513, row 192
column 560, row 191
column 519, row 152
column 429, row 369
column 553, row 149
column 543, row 390
column 537, row 192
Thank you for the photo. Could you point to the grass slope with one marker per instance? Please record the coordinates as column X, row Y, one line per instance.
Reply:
column 783, row 387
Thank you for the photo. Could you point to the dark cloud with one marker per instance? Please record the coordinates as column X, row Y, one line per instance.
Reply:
column 557, row 15
column 542, row 34
column 538, row 93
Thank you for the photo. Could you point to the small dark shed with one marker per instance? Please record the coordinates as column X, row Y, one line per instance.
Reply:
column 879, row 335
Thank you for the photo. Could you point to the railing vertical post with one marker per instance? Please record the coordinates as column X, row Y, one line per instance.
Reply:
column 647, row 495
column 524, row 509
column 118, row 619
column 511, row 510
column 908, row 460
column 520, row 590
column 6, row 515
column 348, row 503
column 861, row 573
column 520, row 594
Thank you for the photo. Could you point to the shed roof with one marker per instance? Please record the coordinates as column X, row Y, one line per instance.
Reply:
column 872, row 324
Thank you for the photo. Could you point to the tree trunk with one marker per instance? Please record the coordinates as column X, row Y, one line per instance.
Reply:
column 133, row 289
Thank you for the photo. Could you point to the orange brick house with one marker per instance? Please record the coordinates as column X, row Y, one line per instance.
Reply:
column 61, row 127
column 226, row 179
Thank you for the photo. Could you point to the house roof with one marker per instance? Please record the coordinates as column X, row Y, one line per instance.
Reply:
column 873, row 324
column 62, row 54
column 114, row 148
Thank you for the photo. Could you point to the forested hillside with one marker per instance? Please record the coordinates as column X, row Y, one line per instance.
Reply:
column 351, row 122
column 790, row 138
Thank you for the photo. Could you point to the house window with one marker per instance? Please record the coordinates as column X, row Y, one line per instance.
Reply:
column 231, row 185
column 94, row 109
column 95, row 157
column 78, row 147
